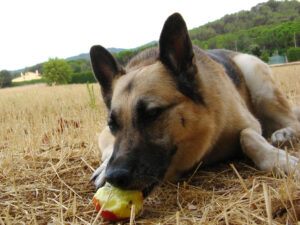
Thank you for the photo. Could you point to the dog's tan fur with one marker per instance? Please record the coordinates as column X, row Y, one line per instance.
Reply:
column 231, row 118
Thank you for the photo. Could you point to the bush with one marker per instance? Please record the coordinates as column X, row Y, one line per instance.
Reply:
column 265, row 58
column 82, row 78
column 293, row 54
column 28, row 82
column 5, row 78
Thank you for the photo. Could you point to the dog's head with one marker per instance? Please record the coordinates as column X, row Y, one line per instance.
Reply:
column 152, row 106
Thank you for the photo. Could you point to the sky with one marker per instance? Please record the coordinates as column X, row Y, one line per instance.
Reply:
column 32, row 31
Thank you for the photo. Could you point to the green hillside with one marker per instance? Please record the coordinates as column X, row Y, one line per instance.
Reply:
column 269, row 13
column 258, row 40
column 266, row 28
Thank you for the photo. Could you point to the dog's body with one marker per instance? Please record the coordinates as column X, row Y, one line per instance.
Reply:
column 177, row 105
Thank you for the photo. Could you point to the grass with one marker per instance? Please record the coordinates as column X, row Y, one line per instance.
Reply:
column 91, row 92
column 48, row 151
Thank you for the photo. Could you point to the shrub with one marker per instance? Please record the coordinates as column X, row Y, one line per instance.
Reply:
column 265, row 58
column 28, row 82
column 82, row 78
column 293, row 54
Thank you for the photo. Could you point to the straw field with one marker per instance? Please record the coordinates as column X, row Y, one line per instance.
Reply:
column 48, row 151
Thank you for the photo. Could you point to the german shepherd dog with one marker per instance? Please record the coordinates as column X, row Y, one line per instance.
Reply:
column 175, row 105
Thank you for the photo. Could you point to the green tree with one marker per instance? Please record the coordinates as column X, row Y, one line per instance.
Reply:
column 5, row 78
column 56, row 71
column 79, row 65
column 255, row 49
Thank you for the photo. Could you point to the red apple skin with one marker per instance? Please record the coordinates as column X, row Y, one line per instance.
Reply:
column 107, row 215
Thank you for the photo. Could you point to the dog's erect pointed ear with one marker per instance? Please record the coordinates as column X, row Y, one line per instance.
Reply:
column 176, row 53
column 176, row 49
column 106, row 69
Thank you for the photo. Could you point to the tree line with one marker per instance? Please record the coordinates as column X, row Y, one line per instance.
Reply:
column 74, row 70
column 267, row 28
column 262, row 40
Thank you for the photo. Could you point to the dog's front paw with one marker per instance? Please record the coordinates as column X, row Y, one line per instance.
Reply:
column 285, row 162
column 292, row 166
column 99, row 175
column 293, row 163
column 282, row 136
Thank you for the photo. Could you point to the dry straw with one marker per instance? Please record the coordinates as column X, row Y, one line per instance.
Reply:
column 48, row 150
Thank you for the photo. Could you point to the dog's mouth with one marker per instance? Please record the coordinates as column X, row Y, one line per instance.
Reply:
column 145, row 187
column 147, row 190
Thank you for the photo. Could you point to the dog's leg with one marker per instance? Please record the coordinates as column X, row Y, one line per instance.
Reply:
column 270, row 106
column 266, row 156
column 106, row 143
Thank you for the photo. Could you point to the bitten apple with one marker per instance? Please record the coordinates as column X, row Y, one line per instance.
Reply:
column 117, row 203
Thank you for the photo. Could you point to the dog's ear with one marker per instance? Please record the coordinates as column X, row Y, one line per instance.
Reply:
column 176, row 50
column 176, row 53
column 106, row 69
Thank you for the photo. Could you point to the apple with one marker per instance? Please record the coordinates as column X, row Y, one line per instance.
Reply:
column 117, row 203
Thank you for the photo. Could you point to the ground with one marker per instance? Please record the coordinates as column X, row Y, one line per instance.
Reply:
column 48, row 151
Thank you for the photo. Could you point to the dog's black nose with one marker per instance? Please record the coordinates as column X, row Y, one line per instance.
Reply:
column 118, row 177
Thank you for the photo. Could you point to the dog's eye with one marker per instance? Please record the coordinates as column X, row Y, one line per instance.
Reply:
column 147, row 112
column 152, row 114
column 112, row 124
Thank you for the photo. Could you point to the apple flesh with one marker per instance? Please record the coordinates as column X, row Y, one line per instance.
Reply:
column 117, row 203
